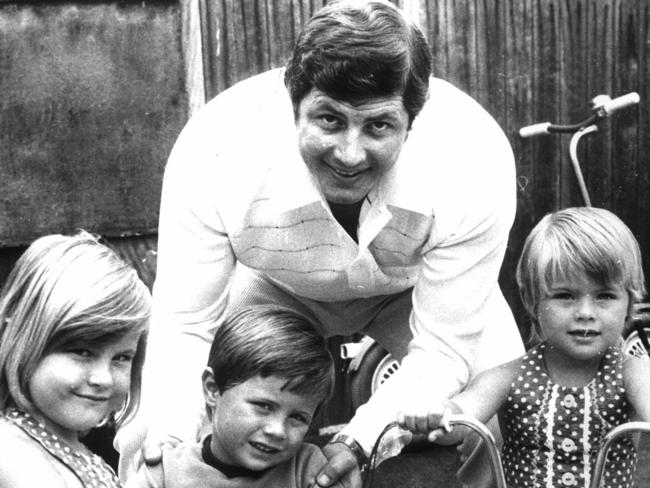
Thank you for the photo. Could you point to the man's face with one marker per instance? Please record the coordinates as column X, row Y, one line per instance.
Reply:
column 348, row 148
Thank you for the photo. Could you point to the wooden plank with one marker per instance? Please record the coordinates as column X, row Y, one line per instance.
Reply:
column 624, row 125
column 93, row 96
column 575, row 48
column 141, row 253
column 244, row 38
column 517, row 21
column 436, row 22
column 642, row 195
column 597, row 52
column 547, row 150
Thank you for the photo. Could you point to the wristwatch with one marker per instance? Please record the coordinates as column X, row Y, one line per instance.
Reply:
column 354, row 446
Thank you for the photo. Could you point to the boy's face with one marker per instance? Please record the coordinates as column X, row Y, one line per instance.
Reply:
column 257, row 424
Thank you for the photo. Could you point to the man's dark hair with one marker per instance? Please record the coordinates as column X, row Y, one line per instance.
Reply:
column 353, row 51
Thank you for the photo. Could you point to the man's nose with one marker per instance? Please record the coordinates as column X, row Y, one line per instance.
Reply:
column 350, row 150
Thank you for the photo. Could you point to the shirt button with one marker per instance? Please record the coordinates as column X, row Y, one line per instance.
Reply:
column 568, row 445
column 569, row 479
column 569, row 401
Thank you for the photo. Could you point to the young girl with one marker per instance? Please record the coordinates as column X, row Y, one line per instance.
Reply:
column 73, row 320
column 579, row 275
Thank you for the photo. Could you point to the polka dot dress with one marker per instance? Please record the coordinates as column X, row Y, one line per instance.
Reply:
column 89, row 468
column 552, row 433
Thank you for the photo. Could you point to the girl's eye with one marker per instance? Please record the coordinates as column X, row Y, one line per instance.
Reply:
column 607, row 295
column 84, row 353
column 124, row 358
column 562, row 295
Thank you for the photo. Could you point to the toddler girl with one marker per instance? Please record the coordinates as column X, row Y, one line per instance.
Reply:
column 579, row 275
column 73, row 320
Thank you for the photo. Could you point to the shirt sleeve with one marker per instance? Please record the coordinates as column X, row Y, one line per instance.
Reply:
column 459, row 312
column 194, row 269
column 146, row 477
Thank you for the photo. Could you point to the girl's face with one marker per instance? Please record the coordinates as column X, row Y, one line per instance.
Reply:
column 257, row 424
column 582, row 318
column 74, row 389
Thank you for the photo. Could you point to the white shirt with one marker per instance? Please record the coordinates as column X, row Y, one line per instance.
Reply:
column 236, row 190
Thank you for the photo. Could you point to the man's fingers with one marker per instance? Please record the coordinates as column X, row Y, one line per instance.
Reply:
column 152, row 454
column 341, row 467
column 152, row 449
column 436, row 434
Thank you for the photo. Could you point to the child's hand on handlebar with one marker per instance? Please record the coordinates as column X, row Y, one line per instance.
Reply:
column 431, row 423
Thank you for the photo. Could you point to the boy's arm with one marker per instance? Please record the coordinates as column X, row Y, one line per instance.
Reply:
column 636, row 377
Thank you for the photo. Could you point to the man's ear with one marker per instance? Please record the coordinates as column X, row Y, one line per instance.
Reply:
column 210, row 389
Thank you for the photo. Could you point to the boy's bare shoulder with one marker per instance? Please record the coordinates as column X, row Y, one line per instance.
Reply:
column 24, row 463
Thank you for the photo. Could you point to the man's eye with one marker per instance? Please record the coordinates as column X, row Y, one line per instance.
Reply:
column 379, row 126
column 328, row 120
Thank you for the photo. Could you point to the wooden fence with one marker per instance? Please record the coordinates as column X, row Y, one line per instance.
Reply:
column 94, row 94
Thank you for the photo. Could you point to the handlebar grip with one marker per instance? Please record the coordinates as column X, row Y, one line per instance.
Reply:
column 618, row 103
column 535, row 129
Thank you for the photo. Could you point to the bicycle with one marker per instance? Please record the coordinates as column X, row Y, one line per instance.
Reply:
column 449, row 421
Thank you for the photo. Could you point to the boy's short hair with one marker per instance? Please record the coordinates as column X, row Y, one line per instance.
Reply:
column 65, row 290
column 272, row 341
column 576, row 242
column 354, row 50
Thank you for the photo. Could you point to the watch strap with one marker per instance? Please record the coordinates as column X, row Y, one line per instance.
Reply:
column 354, row 446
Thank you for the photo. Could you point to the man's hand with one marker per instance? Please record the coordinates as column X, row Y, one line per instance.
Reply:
column 341, row 470
column 152, row 448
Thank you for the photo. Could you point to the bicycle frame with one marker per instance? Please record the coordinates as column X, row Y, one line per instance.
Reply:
column 602, row 106
column 449, row 421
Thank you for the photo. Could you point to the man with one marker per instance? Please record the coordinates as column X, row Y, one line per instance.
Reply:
column 334, row 189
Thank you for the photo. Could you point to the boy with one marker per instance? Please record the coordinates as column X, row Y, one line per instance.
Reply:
column 268, row 371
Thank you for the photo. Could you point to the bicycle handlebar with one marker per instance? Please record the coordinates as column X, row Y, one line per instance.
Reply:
column 618, row 103
column 603, row 106
column 450, row 420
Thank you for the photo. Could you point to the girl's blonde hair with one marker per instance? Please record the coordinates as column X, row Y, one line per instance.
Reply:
column 65, row 290
column 577, row 242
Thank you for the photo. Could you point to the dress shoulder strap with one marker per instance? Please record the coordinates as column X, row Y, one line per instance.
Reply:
column 92, row 470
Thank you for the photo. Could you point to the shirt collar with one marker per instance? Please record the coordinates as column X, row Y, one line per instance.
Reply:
column 229, row 470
